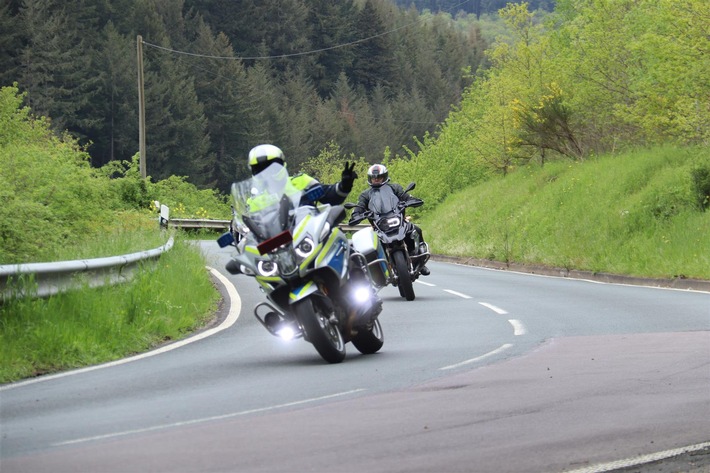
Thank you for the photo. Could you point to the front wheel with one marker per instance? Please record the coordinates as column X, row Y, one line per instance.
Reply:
column 405, row 284
column 324, row 336
column 369, row 341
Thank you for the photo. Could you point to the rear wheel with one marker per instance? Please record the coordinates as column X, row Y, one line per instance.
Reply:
column 324, row 336
column 405, row 284
column 369, row 341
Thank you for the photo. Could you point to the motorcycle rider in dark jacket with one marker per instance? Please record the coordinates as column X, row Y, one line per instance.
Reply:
column 378, row 180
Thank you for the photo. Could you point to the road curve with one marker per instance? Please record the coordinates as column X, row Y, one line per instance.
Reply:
column 484, row 371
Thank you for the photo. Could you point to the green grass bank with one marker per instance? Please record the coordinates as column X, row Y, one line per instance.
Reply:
column 163, row 303
column 642, row 213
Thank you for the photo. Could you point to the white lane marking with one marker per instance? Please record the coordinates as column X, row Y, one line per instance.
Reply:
column 457, row 293
column 518, row 327
column 500, row 349
column 204, row 419
column 571, row 278
column 232, row 316
column 495, row 309
column 425, row 283
column 640, row 460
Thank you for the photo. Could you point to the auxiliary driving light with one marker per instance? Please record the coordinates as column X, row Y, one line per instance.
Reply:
column 362, row 294
column 286, row 333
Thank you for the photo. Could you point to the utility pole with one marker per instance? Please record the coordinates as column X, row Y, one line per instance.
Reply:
column 141, row 108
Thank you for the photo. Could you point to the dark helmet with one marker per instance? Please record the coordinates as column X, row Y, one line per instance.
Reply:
column 377, row 175
column 262, row 156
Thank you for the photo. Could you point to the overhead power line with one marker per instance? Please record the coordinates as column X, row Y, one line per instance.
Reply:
column 303, row 53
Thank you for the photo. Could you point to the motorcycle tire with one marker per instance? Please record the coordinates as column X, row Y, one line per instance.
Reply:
column 405, row 284
column 324, row 336
column 369, row 341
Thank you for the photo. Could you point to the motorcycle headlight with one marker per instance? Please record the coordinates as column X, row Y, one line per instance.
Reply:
column 390, row 223
column 267, row 268
column 305, row 248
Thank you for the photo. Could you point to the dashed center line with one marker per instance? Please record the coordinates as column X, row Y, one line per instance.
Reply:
column 464, row 296
column 495, row 309
column 426, row 283
column 518, row 327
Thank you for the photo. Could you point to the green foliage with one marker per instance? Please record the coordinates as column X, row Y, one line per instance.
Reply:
column 638, row 69
column 186, row 201
column 701, row 184
column 52, row 199
column 594, row 77
column 49, row 193
column 328, row 166
column 634, row 214
column 91, row 326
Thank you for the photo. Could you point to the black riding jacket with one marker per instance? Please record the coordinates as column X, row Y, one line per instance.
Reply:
column 366, row 196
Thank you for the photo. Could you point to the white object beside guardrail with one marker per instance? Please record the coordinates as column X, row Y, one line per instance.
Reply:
column 52, row 278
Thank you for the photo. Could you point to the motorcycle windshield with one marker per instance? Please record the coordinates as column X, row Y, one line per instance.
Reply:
column 383, row 200
column 266, row 203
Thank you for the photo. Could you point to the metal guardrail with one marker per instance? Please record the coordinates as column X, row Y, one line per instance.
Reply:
column 46, row 279
column 198, row 223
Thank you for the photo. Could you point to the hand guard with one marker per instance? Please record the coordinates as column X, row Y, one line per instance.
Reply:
column 355, row 219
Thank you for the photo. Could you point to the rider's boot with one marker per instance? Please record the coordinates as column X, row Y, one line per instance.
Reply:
column 423, row 249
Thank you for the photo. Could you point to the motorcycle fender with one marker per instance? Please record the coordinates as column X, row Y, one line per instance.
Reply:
column 302, row 292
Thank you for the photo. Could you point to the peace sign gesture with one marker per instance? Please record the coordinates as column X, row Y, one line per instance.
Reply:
column 347, row 177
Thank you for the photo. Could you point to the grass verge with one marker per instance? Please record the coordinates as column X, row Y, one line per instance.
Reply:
column 163, row 302
column 637, row 214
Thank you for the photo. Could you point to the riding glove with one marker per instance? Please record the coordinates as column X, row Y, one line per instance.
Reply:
column 347, row 177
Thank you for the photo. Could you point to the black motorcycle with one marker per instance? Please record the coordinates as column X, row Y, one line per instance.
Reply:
column 405, row 254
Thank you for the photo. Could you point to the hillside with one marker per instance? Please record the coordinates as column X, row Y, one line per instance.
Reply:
column 640, row 213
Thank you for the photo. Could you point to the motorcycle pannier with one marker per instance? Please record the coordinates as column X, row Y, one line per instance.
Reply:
column 365, row 241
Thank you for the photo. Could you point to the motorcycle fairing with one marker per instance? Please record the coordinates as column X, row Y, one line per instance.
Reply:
column 310, row 226
column 335, row 253
column 302, row 291
column 383, row 200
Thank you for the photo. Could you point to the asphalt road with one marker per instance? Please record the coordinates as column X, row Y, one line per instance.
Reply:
column 486, row 371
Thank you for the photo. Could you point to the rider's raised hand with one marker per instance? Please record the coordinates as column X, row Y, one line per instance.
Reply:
column 347, row 177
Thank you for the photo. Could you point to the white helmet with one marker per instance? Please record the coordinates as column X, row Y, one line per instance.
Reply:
column 262, row 156
column 379, row 173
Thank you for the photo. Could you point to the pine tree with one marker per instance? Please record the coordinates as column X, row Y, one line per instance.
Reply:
column 115, row 137
column 55, row 64
column 373, row 63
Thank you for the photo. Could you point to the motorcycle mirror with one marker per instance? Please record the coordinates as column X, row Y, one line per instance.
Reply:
column 225, row 240
column 411, row 186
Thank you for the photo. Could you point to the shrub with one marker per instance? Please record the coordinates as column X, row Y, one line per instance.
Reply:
column 700, row 176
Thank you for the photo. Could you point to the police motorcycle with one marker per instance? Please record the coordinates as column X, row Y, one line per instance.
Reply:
column 316, row 287
column 404, row 254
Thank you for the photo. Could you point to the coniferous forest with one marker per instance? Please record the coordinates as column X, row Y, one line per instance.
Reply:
column 221, row 76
